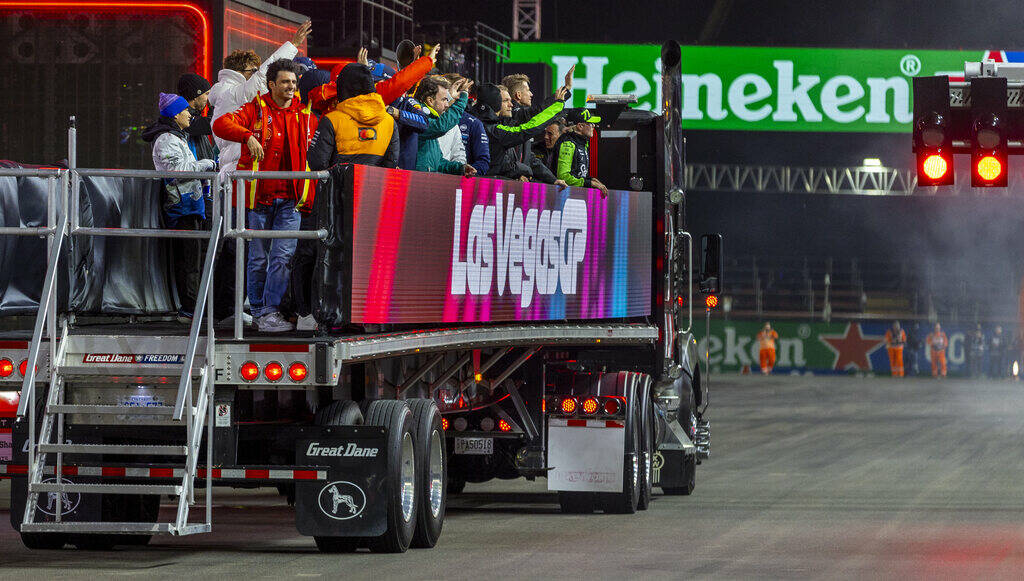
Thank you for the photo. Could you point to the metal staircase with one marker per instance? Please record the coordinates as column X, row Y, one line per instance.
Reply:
column 90, row 375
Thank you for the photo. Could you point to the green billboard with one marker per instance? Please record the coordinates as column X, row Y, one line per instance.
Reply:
column 758, row 89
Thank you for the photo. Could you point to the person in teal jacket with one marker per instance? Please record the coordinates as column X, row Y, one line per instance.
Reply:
column 435, row 93
column 572, row 162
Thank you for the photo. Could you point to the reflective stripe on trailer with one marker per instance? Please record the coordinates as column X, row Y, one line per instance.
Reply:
column 573, row 423
column 218, row 473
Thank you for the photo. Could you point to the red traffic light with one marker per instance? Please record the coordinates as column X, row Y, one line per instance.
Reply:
column 711, row 301
column 935, row 167
column 989, row 169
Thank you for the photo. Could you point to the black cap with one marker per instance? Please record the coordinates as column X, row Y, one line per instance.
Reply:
column 489, row 94
column 354, row 80
column 191, row 85
column 580, row 115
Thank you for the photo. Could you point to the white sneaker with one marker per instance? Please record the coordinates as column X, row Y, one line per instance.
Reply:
column 274, row 323
column 229, row 321
column 307, row 323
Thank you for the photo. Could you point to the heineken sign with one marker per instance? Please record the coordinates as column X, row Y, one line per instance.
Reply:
column 758, row 89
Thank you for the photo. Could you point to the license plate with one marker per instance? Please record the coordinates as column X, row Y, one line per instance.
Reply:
column 474, row 445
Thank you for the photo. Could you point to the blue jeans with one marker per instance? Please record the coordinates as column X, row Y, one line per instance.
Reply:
column 267, row 269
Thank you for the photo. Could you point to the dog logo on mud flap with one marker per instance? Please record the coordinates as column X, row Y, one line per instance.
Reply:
column 65, row 502
column 342, row 500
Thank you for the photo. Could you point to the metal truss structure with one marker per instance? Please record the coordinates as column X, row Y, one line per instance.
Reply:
column 526, row 20
column 818, row 180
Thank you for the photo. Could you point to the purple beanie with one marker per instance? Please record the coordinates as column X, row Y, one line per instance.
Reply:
column 171, row 105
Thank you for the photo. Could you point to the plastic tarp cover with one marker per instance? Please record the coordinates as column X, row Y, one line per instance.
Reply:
column 22, row 258
column 331, row 278
column 102, row 275
column 116, row 275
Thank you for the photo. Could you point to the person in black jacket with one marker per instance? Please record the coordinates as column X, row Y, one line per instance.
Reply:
column 494, row 108
column 196, row 90
column 572, row 156
column 523, row 109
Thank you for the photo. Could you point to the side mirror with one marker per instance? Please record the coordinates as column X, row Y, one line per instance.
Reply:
column 711, row 264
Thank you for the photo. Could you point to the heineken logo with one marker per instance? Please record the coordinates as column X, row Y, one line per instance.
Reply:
column 759, row 89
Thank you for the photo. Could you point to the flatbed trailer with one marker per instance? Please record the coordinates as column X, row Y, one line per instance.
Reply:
column 435, row 365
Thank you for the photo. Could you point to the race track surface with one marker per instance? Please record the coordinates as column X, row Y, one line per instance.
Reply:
column 810, row 477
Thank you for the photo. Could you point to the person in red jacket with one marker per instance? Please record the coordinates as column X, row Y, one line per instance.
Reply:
column 276, row 131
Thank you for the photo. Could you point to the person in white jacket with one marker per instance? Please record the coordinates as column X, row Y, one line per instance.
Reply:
column 451, row 145
column 184, row 200
column 240, row 81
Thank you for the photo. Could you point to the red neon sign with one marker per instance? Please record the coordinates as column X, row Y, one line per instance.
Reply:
column 141, row 5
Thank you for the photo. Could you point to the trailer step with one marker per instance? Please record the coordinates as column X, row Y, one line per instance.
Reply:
column 156, row 410
column 112, row 449
column 162, row 489
column 117, row 528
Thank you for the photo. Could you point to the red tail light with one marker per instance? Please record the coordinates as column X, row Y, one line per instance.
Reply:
column 249, row 371
column 568, row 405
column 590, row 406
column 273, row 371
column 504, row 426
column 297, row 371
column 611, row 406
column 6, row 367
column 444, row 424
column 23, row 367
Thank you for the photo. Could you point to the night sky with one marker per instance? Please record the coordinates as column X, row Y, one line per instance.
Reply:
column 876, row 24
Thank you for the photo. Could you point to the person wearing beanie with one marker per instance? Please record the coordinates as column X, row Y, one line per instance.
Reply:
column 305, row 65
column 494, row 109
column 184, row 202
column 242, row 79
column 359, row 129
column 310, row 81
column 196, row 90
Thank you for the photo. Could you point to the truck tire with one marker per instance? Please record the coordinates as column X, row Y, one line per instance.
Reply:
column 647, row 442
column 339, row 413
column 577, row 502
column 689, row 407
column 336, row 413
column 44, row 541
column 401, row 497
column 626, row 502
column 431, row 472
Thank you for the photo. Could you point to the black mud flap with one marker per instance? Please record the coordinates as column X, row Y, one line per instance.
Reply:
column 669, row 469
column 73, row 506
column 351, row 502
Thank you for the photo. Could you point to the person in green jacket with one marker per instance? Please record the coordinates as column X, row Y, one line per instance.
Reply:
column 435, row 93
column 572, row 164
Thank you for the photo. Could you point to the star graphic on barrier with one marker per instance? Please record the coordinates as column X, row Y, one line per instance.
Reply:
column 852, row 348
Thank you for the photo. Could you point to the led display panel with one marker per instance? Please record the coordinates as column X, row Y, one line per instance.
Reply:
column 433, row 248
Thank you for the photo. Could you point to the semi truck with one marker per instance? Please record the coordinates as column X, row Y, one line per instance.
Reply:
column 468, row 329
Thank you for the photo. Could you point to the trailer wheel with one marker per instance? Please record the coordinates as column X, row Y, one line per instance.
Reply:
column 339, row 413
column 647, row 442
column 336, row 413
column 577, row 502
column 625, row 502
column 44, row 541
column 431, row 472
column 402, row 499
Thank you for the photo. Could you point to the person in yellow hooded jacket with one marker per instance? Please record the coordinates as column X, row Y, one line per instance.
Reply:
column 359, row 129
